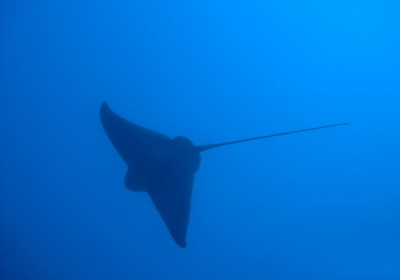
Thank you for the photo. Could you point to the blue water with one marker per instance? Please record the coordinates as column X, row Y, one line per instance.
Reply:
column 317, row 205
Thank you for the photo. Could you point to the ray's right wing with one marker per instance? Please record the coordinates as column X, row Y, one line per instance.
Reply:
column 171, row 193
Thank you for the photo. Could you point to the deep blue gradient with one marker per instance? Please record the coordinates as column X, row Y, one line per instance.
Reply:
column 318, row 205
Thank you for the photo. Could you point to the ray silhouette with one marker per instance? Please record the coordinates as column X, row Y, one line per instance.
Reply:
column 164, row 167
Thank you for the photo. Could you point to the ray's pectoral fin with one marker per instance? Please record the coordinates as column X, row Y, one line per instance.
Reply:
column 135, row 181
column 139, row 147
column 171, row 194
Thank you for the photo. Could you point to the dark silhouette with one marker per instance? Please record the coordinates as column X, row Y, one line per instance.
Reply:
column 163, row 167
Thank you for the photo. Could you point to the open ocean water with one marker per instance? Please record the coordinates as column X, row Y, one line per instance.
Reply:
column 316, row 205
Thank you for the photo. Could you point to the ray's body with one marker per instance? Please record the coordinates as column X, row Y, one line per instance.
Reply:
column 163, row 167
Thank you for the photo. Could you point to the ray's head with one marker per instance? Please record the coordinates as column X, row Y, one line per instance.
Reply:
column 185, row 154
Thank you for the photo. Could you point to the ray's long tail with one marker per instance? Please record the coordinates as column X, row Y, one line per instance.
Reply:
column 203, row 148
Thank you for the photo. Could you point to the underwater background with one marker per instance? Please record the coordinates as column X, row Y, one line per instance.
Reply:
column 316, row 205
